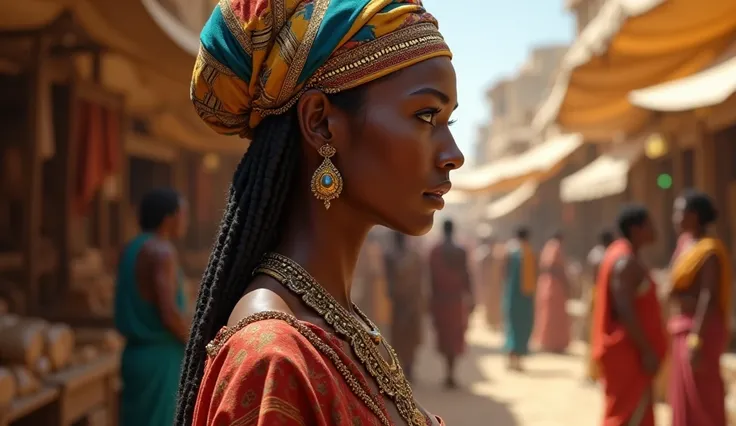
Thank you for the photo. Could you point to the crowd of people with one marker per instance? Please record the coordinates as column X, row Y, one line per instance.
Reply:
column 633, row 332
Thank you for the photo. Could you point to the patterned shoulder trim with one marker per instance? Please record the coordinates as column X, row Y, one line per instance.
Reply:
column 213, row 348
column 360, row 389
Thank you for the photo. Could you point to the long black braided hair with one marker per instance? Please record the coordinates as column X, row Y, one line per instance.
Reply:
column 251, row 224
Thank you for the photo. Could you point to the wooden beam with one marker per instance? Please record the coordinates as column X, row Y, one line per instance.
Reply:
column 705, row 161
column 33, row 194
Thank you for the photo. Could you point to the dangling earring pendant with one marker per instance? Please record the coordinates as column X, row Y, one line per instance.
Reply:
column 326, row 180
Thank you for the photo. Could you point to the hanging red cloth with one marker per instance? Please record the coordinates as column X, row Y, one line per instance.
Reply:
column 98, row 129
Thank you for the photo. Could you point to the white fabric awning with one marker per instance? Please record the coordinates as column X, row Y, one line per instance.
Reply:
column 508, row 173
column 706, row 88
column 184, row 37
column 512, row 201
column 607, row 175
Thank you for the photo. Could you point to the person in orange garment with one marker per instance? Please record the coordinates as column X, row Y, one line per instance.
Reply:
column 700, row 300
column 629, row 341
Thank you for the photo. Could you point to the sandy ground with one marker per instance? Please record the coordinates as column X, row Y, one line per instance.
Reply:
column 551, row 393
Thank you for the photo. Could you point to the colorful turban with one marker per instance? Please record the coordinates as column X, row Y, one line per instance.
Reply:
column 258, row 56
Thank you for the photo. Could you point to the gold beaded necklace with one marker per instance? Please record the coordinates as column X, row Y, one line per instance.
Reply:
column 388, row 375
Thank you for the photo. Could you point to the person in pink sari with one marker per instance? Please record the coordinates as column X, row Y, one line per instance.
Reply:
column 699, row 325
column 552, row 323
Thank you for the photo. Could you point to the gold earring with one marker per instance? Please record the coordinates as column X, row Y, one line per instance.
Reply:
column 326, row 180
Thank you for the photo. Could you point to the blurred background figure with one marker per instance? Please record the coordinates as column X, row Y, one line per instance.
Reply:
column 593, row 262
column 151, row 312
column 405, row 275
column 487, row 277
column 629, row 342
column 451, row 299
column 520, row 279
column 700, row 298
column 370, row 288
column 551, row 321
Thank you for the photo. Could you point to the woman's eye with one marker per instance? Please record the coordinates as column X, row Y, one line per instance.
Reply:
column 427, row 117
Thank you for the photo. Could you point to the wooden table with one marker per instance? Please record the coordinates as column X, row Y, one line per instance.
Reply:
column 85, row 389
column 30, row 410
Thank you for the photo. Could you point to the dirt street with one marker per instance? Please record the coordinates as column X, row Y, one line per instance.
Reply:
column 550, row 393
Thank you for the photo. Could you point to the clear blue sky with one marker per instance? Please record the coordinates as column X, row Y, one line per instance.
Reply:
column 491, row 39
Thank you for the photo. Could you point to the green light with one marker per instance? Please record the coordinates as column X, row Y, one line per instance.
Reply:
column 664, row 181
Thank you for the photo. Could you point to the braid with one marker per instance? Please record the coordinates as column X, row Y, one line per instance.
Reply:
column 250, row 227
column 260, row 187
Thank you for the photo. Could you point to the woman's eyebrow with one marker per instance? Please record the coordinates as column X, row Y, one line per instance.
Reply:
column 432, row 91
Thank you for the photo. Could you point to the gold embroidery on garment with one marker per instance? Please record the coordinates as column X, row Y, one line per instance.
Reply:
column 364, row 60
column 388, row 376
column 235, row 26
column 302, row 52
column 209, row 105
column 355, row 385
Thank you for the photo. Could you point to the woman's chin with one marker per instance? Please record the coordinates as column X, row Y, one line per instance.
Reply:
column 415, row 226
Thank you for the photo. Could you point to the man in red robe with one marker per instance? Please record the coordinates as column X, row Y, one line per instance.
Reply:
column 628, row 333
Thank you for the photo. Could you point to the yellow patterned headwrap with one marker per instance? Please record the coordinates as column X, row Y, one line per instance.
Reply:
column 258, row 56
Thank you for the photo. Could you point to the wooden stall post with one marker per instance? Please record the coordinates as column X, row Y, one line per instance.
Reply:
column 705, row 170
column 33, row 196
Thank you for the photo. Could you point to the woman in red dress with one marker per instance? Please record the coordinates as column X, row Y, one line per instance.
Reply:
column 347, row 106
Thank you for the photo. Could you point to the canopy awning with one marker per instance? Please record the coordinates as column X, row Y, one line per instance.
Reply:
column 605, row 176
column 707, row 88
column 512, row 201
column 123, row 26
column 539, row 163
column 630, row 45
column 141, row 61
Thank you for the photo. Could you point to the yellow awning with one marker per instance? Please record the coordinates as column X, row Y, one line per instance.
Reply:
column 707, row 88
column 512, row 201
column 605, row 176
column 627, row 48
column 538, row 163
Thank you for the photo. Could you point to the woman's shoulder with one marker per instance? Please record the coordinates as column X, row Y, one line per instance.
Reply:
column 269, row 366
column 268, row 335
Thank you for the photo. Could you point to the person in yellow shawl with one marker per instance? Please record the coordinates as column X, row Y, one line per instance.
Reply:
column 520, row 277
column 701, row 314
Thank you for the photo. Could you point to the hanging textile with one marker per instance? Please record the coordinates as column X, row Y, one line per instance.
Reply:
column 98, row 130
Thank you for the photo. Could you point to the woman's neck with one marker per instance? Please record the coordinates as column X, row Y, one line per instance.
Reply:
column 326, row 243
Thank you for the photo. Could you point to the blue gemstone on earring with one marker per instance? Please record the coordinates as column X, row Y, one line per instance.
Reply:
column 326, row 181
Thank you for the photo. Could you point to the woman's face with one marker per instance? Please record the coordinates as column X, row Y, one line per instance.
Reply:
column 683, row 220
column 396, row 165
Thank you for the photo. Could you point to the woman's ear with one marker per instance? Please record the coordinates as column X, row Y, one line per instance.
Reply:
column 320, row 122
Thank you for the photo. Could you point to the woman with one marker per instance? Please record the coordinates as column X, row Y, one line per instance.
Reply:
column 552, row 323
column 151, row 312
column 348, row 104
column 701, row 315
column 520, row 277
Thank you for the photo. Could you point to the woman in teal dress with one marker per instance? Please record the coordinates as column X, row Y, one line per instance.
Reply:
column 150, row 312
column 518, row 299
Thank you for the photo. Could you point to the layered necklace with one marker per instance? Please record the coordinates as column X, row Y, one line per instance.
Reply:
column 388, row 375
